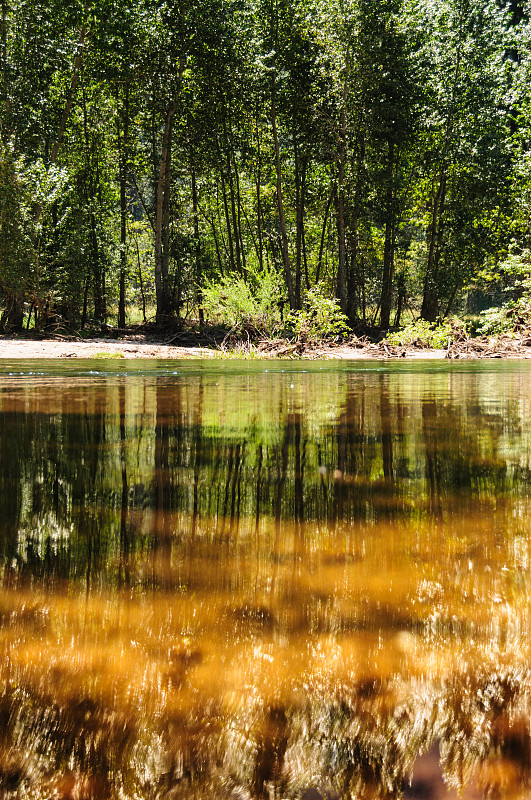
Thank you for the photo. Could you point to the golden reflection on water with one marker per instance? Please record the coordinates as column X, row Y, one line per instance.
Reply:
column 240, row 586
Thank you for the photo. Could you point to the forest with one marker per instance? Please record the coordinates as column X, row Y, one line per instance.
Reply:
column 220, row 161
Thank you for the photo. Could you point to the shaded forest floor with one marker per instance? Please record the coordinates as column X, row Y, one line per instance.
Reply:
column 218, row 343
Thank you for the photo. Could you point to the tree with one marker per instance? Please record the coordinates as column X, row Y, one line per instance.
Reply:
column 466, row 162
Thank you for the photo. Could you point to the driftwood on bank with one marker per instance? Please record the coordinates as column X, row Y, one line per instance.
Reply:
column 251, row 344
column 458, row 347
column 490, row 347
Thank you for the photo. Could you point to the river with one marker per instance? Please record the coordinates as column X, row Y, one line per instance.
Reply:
column 238, row 579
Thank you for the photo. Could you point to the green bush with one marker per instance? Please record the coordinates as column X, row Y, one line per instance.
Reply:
column 513, row 275
column 494, row 321
column 321, row 317
column 253, row 304
column 426, row 334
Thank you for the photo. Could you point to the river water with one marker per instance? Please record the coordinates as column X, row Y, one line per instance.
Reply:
column 265, row 579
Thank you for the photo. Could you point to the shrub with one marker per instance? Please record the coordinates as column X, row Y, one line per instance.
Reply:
column 514, row 275
column 494, row 321
column 426, row 334
column 320, row 318
column 245, row 304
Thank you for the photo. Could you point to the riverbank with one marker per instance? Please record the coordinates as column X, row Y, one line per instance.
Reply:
column 142, row 346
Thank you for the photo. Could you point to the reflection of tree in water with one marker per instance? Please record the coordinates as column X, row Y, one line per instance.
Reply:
column 95, row 476
column 361, row 741
column 277, row 531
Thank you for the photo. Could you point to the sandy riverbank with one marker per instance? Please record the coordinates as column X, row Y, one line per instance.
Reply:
column 140, row 346
column 136, row 348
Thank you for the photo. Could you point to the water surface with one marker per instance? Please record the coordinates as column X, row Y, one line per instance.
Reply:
column 255, row 580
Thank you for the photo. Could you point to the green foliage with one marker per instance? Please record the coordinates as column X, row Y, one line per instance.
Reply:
column 426, row 334
column 27, row 193
column 343, row 141
column 493, row 322
column 15, row 242
column 513, row 277
column 321, row 318
column 253, row 304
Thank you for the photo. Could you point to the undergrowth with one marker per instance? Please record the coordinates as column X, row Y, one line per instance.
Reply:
column 427, row 334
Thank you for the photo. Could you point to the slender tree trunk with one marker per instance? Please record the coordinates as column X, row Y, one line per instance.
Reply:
column 92, row 178
column 141, row 281
column 430, row 300
column 227, row 223
column 84, row 313
column 5, row 79
column 237, row 203
column 169, row 295
column 355, row 280
column 400, row 301
column 251, row 233
column 258, row 194
column 323, row 236
column 301, row 165
column 97, row 270
column 198, row 275
column 386, row 297
column 451, row 299
column 353, row 277
column 239, row 215
column 123, row 144
column 161, row 211
column 280, row 205
column 430, row 304
column 298, row 226
column 235, row 235
column 162, row 208
column 341, row 284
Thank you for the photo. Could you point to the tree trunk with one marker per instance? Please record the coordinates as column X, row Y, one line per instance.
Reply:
column 97, row 269
column 355, row 281
column 300, row 189
column 161, row 213
column 386, row 298
column 280, row 205
column 162, row 209
column 123, row 143
column 141, row 280
column 430, row 299
column 323, row 236
column 227, row 223
column 198, row 275
column 235, row 235
column 5, row 78
column 170, row 299
column 239, row 206
column 258, row 195
column 341, row 283
column 100, row 309
column 430, row 303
